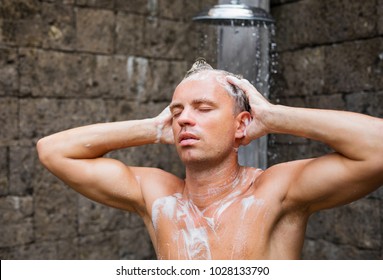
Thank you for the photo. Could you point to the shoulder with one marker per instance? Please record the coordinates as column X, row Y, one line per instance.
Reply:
column 156, row 183
column 278, row 180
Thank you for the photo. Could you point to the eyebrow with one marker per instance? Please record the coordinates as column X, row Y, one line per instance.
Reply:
column 195, row 102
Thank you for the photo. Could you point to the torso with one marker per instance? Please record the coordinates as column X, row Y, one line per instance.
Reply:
column 248, row 223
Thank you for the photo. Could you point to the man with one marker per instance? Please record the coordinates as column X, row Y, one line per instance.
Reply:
column 222, row 210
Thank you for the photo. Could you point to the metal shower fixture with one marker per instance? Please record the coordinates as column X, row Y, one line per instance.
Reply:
column 234, row 14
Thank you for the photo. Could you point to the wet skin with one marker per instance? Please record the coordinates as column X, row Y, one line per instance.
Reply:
column 230, row 212
column 248, row 223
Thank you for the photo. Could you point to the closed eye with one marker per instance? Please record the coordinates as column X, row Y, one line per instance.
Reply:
column 176, row 113
column 205, row 109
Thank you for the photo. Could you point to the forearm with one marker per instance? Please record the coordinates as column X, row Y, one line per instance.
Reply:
column 96, row 140
column 353, row 135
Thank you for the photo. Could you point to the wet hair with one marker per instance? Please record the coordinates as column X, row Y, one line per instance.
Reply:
column 240, row 98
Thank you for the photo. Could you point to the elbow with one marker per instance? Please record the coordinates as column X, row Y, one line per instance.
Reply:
column 44, row 152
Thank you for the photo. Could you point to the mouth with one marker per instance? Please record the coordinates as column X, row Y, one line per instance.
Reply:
column 187, row 139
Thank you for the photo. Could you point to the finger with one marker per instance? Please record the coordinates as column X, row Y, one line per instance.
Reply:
column 233, row 80
column 243, row 84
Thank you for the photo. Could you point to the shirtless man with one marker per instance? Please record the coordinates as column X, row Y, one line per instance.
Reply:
column 222, row 210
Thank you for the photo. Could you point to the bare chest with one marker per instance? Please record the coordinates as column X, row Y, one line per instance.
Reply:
column 233, row 228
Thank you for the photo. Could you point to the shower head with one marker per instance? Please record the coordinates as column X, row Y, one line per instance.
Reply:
column 234, row 14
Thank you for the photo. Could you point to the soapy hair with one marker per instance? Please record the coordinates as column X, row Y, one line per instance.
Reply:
column 240, row 98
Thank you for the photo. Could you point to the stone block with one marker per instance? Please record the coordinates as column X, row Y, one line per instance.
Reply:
column 109, row 78
column 59, row 26
column 49, row 73
column 17, row 234
column 129, row 33
column 324, row 250
column 334, row 102
column 208, row 3
column 1, row 32
column 101, row 246
column 26, row 32
column 317, row 149
column 135, row 244
column 8, row 118
column 292, row 101
column 350, row 66
column 65, row 2
column 286, row 139
column 42, row 117
column 137, row 72
column 22, row 166
column 33, row 251
column 135, row 222
column 4, row 177
column 279, row 2
column 95, row 29
column 168, row 39
column 288, row 148
column 120, row 110
column 153, row 80
column 9, row 80
column 320, row 22
column 291, row 32
column 142, row 7
column 182, row 10
column 163, row 78
column 15, row 209
column 303, row 71
column 95, row 218
column 55, row 207
column 5, row 253
column 19, row 9
column 67, row 249
column 348, row 225
column 369, row 103
column 380, row 16
column 103, row 4
column 16, row 220
column 348, row 19
column 278, row 153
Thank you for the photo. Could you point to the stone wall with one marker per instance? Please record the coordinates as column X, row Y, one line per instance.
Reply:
column 68, row 63
column 329, row 58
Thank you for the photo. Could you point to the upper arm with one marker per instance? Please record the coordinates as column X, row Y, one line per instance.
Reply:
column 111, row 182
column 104, row 180
column 330, row 181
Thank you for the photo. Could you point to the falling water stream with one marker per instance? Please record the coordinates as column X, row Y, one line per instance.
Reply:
column 246, row 48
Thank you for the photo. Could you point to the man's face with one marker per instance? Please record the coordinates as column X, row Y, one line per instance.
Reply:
column 204, row 124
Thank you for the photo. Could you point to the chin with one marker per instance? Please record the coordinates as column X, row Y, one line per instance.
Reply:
column 200, row 161
column 190, row 157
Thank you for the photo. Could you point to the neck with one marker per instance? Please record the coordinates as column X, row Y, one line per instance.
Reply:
column 205, row 186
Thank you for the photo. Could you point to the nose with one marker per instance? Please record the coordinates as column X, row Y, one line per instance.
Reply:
column 186, row 118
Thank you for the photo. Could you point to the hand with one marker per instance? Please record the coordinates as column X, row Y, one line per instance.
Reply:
column 256, row 128
column 163, row 124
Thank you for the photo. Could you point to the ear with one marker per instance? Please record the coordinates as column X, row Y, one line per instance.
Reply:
column 242, row 121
